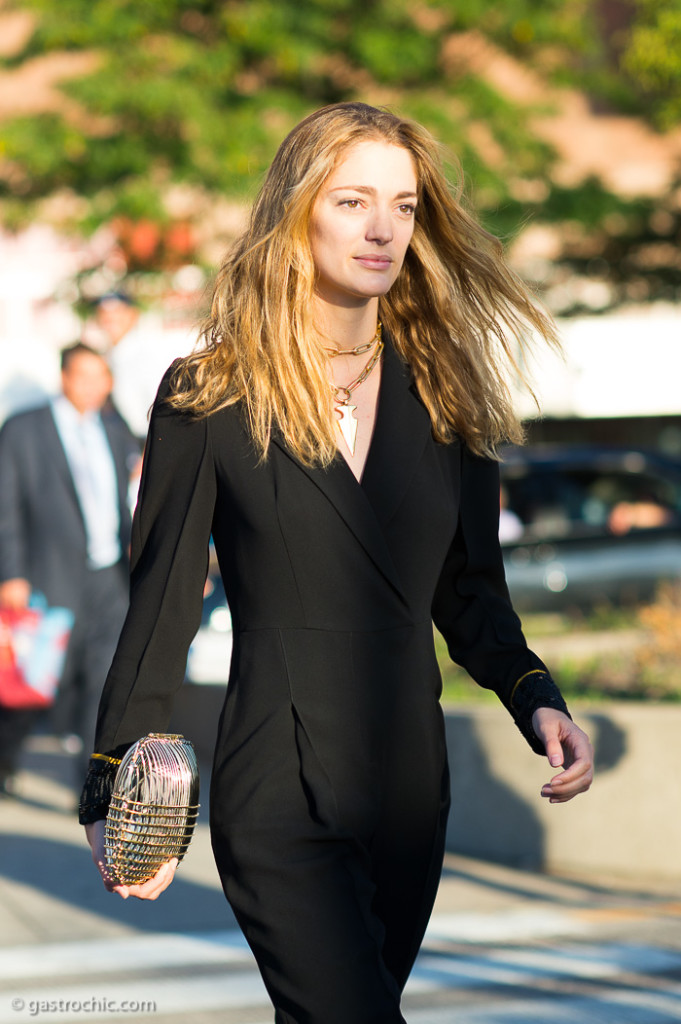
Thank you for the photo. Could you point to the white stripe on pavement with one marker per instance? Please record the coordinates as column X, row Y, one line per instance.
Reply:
column 201, row 988
column 651, row 1009
column 507, row 926
column 519, row 966
column 129, row 953
column 158, row 950
column 434, row 968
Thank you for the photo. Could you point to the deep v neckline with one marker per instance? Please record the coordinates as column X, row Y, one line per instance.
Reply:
column 401, row 432
column 359, row 480
column 395, row 378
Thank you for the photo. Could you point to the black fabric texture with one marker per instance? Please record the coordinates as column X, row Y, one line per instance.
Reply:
column 330, row 787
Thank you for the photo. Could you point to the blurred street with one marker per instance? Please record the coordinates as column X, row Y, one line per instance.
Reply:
column 503, row 945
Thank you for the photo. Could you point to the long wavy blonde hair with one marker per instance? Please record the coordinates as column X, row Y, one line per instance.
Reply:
column 455, row 313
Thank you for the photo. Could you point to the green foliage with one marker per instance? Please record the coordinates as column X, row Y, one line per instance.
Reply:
column 522, row 25
column 653, row 58
column 202, row 91
column 395, row 53
column 589, row 204
column 645, row 670
column 457, row 685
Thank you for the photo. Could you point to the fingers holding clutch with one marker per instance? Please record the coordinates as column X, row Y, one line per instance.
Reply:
column 153, row 887
column 149, row 890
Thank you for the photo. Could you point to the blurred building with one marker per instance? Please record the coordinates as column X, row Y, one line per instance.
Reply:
column 617, row 383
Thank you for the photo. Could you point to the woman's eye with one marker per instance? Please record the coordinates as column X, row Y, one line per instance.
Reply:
column 407, row 208
column 352, row 204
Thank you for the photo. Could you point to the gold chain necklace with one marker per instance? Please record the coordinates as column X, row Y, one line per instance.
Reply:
column 359, row 350
column 342, row 395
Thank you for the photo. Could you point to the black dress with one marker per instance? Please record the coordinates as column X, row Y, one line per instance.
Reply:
column 330, row 791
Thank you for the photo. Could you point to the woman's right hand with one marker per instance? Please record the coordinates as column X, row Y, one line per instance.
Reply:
column 149, row 890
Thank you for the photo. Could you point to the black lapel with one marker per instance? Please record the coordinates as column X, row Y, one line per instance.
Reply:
column 400, row 434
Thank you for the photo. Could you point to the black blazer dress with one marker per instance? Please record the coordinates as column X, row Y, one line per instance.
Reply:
column 329, row 791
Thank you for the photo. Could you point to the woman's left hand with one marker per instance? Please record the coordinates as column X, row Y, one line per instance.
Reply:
column 149, row 890
column 567, row 747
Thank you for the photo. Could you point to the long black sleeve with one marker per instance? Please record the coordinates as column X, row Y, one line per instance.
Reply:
column 473, row 611
column 169, row 562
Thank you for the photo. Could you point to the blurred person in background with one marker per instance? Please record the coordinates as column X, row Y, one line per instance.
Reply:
column 138, row 353
column 510, row 525
column 65, row 533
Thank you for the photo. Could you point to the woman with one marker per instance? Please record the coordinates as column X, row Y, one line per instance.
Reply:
column 335, row 436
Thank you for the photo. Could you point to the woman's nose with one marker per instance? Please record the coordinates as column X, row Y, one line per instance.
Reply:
column 380, row 227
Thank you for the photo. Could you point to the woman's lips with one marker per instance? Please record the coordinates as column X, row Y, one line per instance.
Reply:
column 374, row 262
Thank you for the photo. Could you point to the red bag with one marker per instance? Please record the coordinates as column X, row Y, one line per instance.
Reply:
column 32, row 651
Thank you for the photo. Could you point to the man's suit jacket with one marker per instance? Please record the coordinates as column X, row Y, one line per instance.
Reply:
column 42, row 531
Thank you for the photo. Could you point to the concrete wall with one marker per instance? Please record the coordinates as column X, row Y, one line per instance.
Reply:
column 628, row 825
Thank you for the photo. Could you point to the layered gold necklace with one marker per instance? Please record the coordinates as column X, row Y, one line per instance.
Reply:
column 342, row 395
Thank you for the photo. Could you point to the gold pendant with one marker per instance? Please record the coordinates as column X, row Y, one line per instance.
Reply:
column 348, row 425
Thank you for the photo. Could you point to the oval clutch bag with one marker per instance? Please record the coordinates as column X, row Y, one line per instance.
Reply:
column 154, row 807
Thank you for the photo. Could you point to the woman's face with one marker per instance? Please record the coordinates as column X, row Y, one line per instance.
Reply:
column 362, row 222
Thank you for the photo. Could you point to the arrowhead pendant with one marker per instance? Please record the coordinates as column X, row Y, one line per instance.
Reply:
column 348, row 425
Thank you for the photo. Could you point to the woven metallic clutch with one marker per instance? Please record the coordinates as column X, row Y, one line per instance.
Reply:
column 153, row 808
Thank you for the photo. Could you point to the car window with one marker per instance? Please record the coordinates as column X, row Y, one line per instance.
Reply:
column 547, row 502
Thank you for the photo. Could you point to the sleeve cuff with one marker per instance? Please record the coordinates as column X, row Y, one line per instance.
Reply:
column 535, row 689
column 99, row 784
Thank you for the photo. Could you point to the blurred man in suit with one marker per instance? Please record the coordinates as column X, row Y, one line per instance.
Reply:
column 64, row 532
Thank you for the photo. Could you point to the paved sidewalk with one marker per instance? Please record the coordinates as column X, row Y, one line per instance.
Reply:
column 503, row 945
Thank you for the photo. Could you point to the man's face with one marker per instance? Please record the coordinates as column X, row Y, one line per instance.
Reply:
column 86, row 382
column 116, row 318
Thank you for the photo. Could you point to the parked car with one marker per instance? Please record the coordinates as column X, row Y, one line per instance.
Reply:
column 581, row 526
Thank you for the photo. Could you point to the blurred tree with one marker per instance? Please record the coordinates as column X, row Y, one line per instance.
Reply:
column 200, row 92
column 652, row 58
